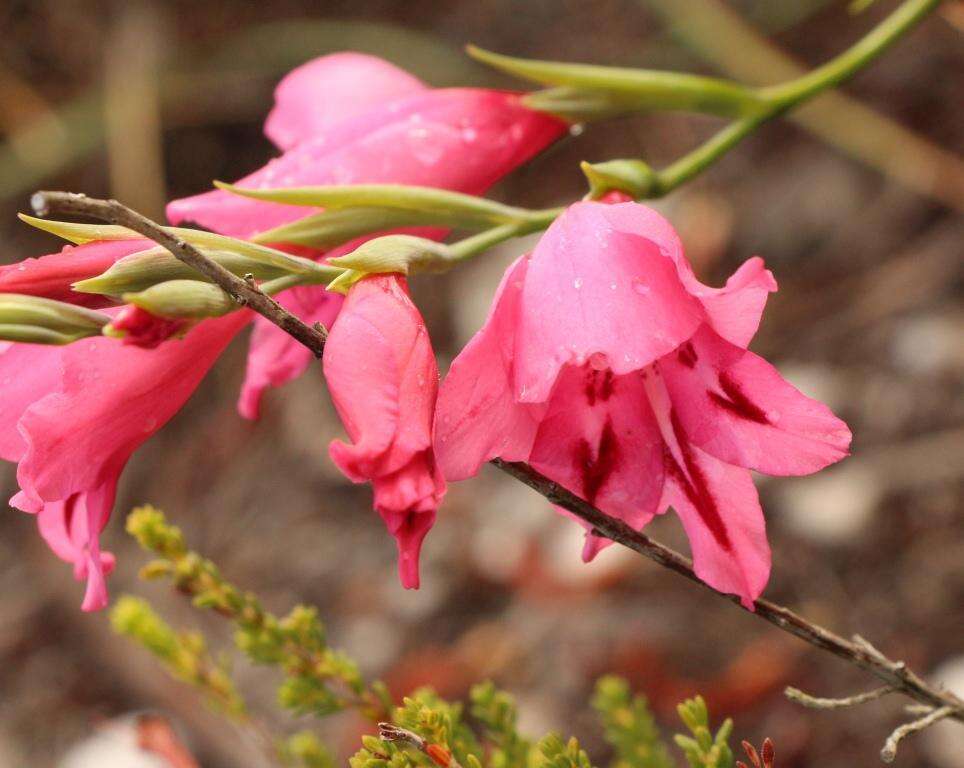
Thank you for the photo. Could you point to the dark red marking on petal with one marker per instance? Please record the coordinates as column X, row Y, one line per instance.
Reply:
column 599, row 385
column 694, row 485
column 596, row 466
column 687, row 355
column 70, row 507
column 737, row 402
column 606, row 386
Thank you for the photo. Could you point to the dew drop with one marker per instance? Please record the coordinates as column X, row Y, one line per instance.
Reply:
column 577, row 283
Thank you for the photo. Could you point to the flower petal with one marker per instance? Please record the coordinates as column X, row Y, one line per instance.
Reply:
column 716, row 502
column 113, row 398
column 734, row 310
column 597, row 291
column 375, row 344
column 476, row 418
column 274, row 357
column 461, row 139
column 737, row 407
column 28, row 372
column 312, row 98
column 720, row 511
column 600, row 440
column 72, row 529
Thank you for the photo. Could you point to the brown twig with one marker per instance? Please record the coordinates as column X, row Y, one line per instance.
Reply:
column 889, row 752
column 858, row 652
column 815, row 702
column 245, row 293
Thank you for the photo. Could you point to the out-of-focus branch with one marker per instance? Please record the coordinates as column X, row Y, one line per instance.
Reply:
column 245, row 292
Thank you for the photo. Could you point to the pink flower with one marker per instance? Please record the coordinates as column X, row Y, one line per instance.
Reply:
column 611, row 369
column 73, row 416
column 383, row 380
column 349, row 118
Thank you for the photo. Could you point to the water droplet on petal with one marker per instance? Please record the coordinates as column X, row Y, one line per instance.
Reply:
column 577, row 283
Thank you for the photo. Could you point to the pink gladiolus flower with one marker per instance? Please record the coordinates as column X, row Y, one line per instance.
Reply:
column 383, row 380
column 349, row 118
column 611, row 369
column 72, row 417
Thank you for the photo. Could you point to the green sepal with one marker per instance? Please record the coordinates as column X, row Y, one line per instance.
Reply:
column 634, row 177
column 141, row 270
column 255, row 253
column 401, row 254
column 453, row 208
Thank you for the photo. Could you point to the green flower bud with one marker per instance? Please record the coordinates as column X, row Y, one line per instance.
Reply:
column 36, row 320
column 145, row 269
column 183, row 299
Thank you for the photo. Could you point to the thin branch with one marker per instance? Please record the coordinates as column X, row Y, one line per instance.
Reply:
column 858, row 652
column 437, row 753
column 889, row 752
column 244, row 292
column 893, row 673
column 815, row 702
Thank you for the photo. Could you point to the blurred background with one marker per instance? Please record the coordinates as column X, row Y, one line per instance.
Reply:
column 856, row 206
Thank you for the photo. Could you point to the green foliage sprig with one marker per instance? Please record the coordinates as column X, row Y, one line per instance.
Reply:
column 425, row 731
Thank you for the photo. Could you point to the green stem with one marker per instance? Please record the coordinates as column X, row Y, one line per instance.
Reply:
column 775, row 100
column 535, row 221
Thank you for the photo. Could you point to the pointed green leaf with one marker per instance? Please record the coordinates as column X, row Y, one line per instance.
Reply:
column 647, row 89
column 451, row 206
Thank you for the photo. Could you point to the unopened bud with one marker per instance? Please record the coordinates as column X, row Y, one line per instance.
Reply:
column 36, row 320
column 183, row 300
column 145, row 269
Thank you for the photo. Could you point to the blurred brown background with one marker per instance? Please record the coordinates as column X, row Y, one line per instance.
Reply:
column 862, row 227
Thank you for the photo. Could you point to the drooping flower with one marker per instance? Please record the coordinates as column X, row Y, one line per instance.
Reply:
column 350, row 118
column 72, row 416
column 383, row 379
column 611, row 369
